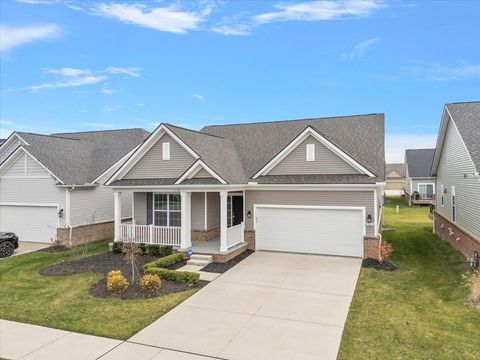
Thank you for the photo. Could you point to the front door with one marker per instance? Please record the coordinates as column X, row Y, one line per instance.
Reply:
column 234, row 210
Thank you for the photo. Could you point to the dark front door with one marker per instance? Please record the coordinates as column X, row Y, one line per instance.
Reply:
column 237, row 210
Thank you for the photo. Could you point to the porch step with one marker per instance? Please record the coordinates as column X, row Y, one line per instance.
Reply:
column 200, row 260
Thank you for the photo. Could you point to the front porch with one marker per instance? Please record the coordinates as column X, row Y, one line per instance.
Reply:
column 203, row 222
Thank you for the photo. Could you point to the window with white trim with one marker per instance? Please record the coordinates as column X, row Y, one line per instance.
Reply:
column 454, row 205
column 167, row 210
column 442, row 189
column 426, row 191
column 310, row 152
column 166, row 151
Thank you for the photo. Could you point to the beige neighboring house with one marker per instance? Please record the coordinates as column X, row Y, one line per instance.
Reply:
column 395, row 179
column 419, row 183
column 51, row 186
column 307, row 186
column 456, row 166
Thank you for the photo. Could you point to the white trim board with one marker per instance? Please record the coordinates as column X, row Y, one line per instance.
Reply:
column 143, row 148
column 298, row 140
column 29, row 204
column 195, row 168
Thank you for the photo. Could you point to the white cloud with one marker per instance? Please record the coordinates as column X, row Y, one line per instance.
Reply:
column 67, row 71
column 438, row 72
column 140, row 104
column 199, row 97
column 6, row 122
column 131, row 71
column 232, row 29
column 108, row 91
column 359, row 49
column 39, row 2
column 395, row 145
column 111, row 108
column 12, row 37
column 320, row 10
column 100, row 125
column 74, row 82
column 169, row 18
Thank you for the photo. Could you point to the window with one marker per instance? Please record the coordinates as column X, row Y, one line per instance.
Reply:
column 167, row 210
column 426, row 191
column 310, row 152
column 166, row 151
column 229, row 211
column 442, row 189
column 454, row 205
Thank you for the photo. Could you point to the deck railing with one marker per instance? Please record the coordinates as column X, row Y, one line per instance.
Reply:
column 235, row 235
column 150, row 234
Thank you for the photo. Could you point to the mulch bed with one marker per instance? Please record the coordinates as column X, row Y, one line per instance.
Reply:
column 177, row 265
column 104, row 263
column 54, row 249
column 223, row 267
column 378, row 265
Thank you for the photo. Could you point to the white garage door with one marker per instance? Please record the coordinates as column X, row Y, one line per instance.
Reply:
column 30, row 223
column 317, row 230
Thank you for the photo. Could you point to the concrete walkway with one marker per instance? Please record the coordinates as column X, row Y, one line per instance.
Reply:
column 270, row 306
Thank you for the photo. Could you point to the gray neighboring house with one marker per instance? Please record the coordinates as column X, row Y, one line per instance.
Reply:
column 419, row 182
column 51, row 186
column 456, row 166
column 395, row 179
column 307, row 186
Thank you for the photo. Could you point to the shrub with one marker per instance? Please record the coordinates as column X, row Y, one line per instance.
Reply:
column 385, row 250
column 474, row 284
column 116, row 282
column 117, row 247
column 183, row 277
column 166, row 261
column 143, row 248
column 153, row 250
column 151, row 282
column 166, row 250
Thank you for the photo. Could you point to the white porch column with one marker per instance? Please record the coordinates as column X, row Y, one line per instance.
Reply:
column 117, row 204
column 186, row 232
column 223, row 221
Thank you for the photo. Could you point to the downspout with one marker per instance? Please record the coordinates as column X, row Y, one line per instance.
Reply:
column 67, row 215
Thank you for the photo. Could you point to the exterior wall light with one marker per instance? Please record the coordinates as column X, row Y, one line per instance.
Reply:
column 249, row 214
column 60, row 213
column 369, row 219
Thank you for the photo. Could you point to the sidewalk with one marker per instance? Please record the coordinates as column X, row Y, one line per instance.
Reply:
column 32, row 342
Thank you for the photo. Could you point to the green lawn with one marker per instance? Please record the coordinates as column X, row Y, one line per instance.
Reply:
column 64, row 302
column 418, row 311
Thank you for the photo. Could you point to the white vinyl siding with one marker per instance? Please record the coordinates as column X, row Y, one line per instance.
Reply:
column 454, row 163
column 314, row 198
column 152, row 165
column 310, row 230
column 325, row 161
column 16, row 169
column 8, row 149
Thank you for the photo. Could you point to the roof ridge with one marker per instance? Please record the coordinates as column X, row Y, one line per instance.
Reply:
column 47, row 135
column 293, row 120
column 97, row 131
column 195, row 131
column 419, row 149
column 463, row 102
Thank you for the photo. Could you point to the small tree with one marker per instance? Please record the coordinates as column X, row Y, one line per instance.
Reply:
column 385, row 250
column 131, row 251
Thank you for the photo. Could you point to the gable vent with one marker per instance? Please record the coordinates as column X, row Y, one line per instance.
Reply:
column 310, row 152
column 166, row 151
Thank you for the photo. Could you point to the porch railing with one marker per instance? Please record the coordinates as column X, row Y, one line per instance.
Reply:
column 149, row 234
column 235, row 235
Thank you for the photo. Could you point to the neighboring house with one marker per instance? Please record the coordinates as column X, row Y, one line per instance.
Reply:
column 307, row 186
column 456, row 165
column 419, row 183
column 395, row 179
column 50, row 184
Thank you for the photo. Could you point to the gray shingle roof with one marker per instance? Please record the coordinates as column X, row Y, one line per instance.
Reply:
column 419, row 162
column 398, row 168
column 467, row 119
column 360, row 136
column 144, row 182
column 79, row 158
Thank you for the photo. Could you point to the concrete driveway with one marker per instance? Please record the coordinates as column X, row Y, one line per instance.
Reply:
column 270, row 306
column 25, row 247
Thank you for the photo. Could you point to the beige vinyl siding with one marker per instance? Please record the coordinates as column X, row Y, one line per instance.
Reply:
column 152, row 166
column 213, row 210
column 96, row 205
column 202, row 174
column 314, row 198
column 326, row 161
column 7, row 150
column 454, row 163
column 198, row 211
column 140, row 208
column 394, row 185
column 32, row 191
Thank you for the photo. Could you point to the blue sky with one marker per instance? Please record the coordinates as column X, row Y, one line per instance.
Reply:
column 92, row 65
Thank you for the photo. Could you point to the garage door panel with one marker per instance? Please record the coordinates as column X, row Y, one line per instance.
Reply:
column 30, row 223
column 319, row 231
